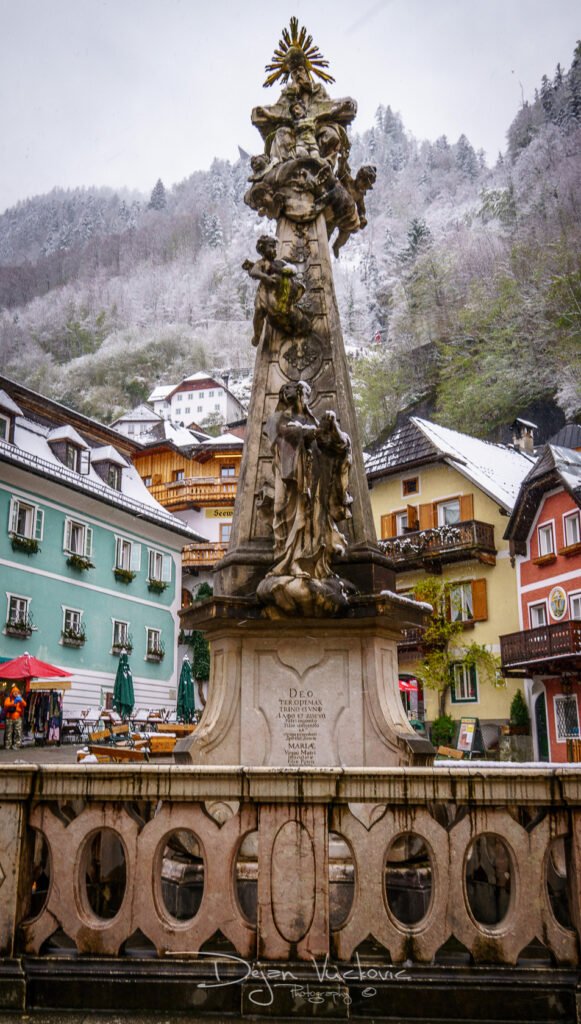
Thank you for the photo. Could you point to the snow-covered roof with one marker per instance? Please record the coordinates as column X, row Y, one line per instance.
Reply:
column 226, row 438
column 494, row 468
column 161, row 392
column 142, row 413
column 8, row 405
column 66, row 433
column 107, row 453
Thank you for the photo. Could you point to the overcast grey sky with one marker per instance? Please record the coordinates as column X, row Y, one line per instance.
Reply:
column 121, row 92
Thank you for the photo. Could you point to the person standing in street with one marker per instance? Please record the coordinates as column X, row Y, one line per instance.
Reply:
column 14, row 706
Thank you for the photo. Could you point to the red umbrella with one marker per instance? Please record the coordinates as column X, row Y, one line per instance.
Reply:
column 27, row 667
column 408, row 685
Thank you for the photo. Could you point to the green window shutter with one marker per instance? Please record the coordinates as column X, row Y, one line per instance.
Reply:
column 135, row 564
column 88, row 542
column 38, row 524
column 166, row 569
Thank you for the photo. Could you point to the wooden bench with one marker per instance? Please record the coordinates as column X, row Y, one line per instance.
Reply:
column 180, row 729
column 161, row 745
column 98, row 737
column 119, row 753
column 451, row 752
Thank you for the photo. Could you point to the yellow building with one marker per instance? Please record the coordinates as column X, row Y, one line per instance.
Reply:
column 440, row 501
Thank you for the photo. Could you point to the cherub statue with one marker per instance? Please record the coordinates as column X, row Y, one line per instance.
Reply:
column 278, row 295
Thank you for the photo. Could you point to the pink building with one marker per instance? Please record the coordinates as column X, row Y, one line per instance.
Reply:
column 545, row 535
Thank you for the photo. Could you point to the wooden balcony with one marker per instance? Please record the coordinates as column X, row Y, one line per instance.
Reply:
column 433, row 548
column 209, row 490
column 411, row 639
column 202, row 556
column 555, row 648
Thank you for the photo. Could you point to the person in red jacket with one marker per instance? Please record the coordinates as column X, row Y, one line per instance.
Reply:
column 14, row 706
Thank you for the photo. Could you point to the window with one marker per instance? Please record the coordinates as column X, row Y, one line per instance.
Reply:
column 26, row 520
column 210, row 394
column 71, row 456
column 464, row 684
column 538, row 615
column 217, row 407
column 225, row 529
column 545, row 540
column 159, row 566
column 114, row 476
column 4, row 427
column 575, row 606
column 18, row 611
column 147, row 481
column 200, row 408
column 187, row 410
column 121, row 636
column 566, row 716
column 179, row 398
column 401, row 523
column 178, row 474
column 201, row 394
column 410, row 486
column 226, row 471
column 572, row 529
column 448, row 512
column 461, row 604
column 78, row 538
column 190, row 395
column 72, row 620
column 154, row 646
column 127, row 555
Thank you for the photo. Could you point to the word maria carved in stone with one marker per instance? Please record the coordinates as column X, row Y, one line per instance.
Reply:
column 311, row 462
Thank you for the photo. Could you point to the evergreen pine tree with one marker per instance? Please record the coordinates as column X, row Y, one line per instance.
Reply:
column 466, row 159
column 158, row 200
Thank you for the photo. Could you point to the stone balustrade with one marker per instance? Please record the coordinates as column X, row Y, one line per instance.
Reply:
column 333, row 848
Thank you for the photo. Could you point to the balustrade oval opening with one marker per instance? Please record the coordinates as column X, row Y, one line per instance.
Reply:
column 247, row 877
column 488, row 879
column 558, row 881
column 40, row 872
column 408, row 878
column 341, row 880
column 105, row 873
column 182, row 874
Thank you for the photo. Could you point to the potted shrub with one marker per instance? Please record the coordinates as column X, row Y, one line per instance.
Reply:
column 519, row 715
column 124, row 575
column 80, row 563
column 29, row 545
column 20, row 628
column 156, row 586
column 73, row 637
column 442, row 731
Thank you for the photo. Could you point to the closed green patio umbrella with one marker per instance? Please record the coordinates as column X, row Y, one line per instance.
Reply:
column 123, row 695
column 186, row 704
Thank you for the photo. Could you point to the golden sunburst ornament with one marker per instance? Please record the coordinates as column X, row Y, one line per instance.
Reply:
column 296, row 48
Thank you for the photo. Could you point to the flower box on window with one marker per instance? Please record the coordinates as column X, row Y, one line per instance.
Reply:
column 155, row 652
column 118, row 648
column 27, row 544
column 156, row 586
column 80, row 563
column 124, row 575
column 20, row 628
column 73, row 637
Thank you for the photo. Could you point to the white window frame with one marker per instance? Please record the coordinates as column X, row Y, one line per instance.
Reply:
column 400, row 525
column 560, row 697
column 27, row 601
column 86, row 532
column 155, row 633
column 464, row 683
column 442, row 505
column 225, row 528
column 125, row 633
column 72, row 612
column 538, row 604
column 574, row 598
column 464, row 604
column 133, row 559
column 200, row 408
column 6, row 420
column 159, row 566
column 35, row 524
column 572, row 517
column 546, row 529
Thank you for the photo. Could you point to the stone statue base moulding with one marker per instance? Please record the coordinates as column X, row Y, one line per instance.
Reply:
column 293, row 693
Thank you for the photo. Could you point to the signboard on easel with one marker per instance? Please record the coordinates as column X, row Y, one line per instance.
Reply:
column 470, row 737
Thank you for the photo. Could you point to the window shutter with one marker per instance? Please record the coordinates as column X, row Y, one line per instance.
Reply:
column 135, row 564
column 413, row 518
column 466, row 507
column 166, row 568
column 479, row 600
column 118, row 550
column 88, row 542
column 388, row 527
column 13, row 518
column 67, row 535
column 427, row 516
column 38, row 524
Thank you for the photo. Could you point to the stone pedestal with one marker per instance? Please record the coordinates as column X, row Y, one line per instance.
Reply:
column 302, row 692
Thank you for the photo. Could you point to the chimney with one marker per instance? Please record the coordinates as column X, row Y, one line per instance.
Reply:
column 523, row 435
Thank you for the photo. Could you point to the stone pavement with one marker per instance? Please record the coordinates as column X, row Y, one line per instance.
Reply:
column 53, row 755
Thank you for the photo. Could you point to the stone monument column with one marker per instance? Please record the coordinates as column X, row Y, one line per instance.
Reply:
column 304, row 621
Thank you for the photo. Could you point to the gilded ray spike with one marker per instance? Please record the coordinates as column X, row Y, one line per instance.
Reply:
column 296, row 47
